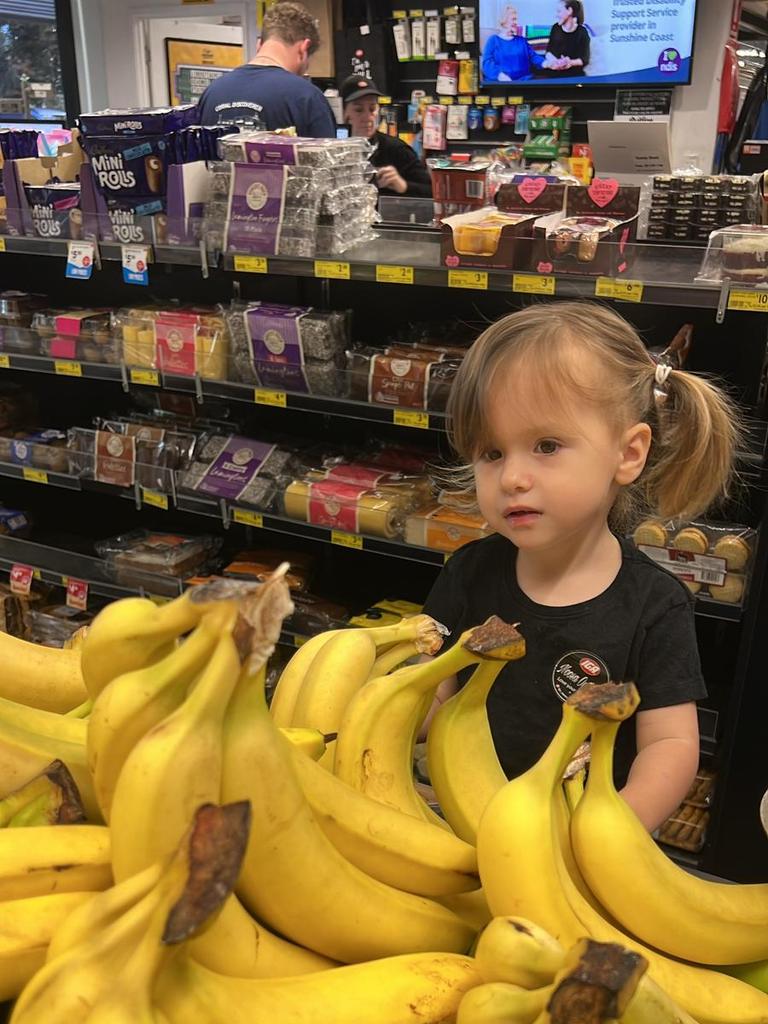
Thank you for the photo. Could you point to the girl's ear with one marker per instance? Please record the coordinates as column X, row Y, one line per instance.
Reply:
column 635, row 445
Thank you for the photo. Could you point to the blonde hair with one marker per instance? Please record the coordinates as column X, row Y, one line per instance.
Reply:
column 504, row 11
column 290, row 22
column 695, row 432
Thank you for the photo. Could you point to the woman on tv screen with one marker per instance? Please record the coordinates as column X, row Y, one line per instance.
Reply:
column 507, row 56
column 568, row 46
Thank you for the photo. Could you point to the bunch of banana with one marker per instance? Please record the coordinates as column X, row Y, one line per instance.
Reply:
column 42, row 677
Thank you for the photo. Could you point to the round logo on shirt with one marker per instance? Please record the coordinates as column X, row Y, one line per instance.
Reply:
column 574, row 669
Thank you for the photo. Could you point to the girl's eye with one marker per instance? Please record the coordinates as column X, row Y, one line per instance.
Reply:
column 492, row 456
column 547, row 446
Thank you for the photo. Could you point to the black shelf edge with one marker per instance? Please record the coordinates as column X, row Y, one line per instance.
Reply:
column 40, row 476
column 102, row 588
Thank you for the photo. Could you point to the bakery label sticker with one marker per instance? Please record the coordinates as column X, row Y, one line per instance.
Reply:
column 576, row 668
column 21, row 579
column 115, row 461
column 688, row 565
column 80, row 260
column 77, row 594
column 135, row 264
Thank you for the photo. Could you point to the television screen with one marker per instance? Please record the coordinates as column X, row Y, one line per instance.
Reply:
column 598, row 42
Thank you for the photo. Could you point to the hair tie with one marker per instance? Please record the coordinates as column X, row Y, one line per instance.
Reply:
column 661, row 375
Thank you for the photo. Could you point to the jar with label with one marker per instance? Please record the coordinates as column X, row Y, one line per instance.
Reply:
column 491, row 119
column 474, row 118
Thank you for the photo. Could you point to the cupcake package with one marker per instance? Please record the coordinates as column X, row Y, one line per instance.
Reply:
column 712, row 559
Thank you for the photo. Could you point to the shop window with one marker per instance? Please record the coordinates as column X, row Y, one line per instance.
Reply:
column 33, row 75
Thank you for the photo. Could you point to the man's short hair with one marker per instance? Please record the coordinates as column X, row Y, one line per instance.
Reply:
column 290, row 22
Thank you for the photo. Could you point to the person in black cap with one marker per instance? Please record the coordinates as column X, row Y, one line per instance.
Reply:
column 399, row 172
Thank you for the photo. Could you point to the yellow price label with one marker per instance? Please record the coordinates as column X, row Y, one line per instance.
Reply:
column 610, row 288
column 418, row 13
column 477, row 279
column 446, row 101
column 755, row 302
column 533, row 284
column 399, row 14
column 67, row 368
column 35, row 476
column 149, row 377
column 332, row 268
column 5, row 362
column 246, row 517
column 514, row 100
column 384, row 101
column 347, row 540
column 154, row 498
column 251, row 264
column 2, row 245
column 386, row 274
column 410, row 418
column 497, row 101
column 37, row 574
column 465, row 101
column 482, row 101
column 277, row 399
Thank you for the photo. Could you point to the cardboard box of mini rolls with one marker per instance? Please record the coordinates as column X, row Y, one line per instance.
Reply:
column 42, row 193
column 593, row 235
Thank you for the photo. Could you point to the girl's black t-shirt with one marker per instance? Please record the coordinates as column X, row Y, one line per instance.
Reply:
column 641, row 630
column 568, row 44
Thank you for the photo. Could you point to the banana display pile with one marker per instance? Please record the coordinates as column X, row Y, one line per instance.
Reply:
column 174, row 851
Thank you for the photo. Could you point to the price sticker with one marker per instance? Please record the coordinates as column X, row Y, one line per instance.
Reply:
column 347, row 540
column 149, row 377
column 135, row 264
column 277, row 399
column 514, row 101
column 397, row 15
column 5, row 362
column 248, row 518
column 533, row 284
column 410, row 418
column 497, row 101
column 2, row 244
column 154, row 498
column 482, row 101
column 385, row 101
column 386, row 274
column 67, row 368
column 335, row 269
column 77, row 594
column 446, row 101
column 35, row 476
column 79, row 260
column 477, row 279
column 251, row 264
column 754, row 302
column 627, row 291
column 465, row 101
column 21, row 579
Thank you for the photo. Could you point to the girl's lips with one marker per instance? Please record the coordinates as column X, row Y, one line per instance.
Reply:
column 521, row 516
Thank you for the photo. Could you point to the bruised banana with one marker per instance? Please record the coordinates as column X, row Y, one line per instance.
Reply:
column 498, row 1002
column 293, row 878
column 135, row 702
column 420, row 988
column 518, row 952
column 396, row 848
column 42, row 677
column 374, row 749
column 26, row 927
column 49, row 799
column 463, row 767
column 45, row 859
column 688, row 917
column 524, row 872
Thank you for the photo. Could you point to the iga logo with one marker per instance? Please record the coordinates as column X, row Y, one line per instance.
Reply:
column 669, row 61
column 574, row 669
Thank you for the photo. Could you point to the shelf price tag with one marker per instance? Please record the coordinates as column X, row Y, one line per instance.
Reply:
column 477, row 279
column 21, row 578
column 386, row 274
column 246, row 517
column 149, row 377
column 533, row 284
column 77, row 594
column 251, row 264
column 410, row 418
column 299, row 640
column 2, row 244
column 627, row 291
column 154, row 498
column 332, row 268
column 79, row 260
column 277, row 399
column 35, row 476
column 752, row 301
column 135, row 264
column 5, row 362
column 347, row 540
column 67, row 368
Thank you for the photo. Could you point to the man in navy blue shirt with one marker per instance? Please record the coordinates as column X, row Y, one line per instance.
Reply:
column 270, row 92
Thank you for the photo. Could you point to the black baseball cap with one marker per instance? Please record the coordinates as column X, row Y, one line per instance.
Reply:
column 355, row 87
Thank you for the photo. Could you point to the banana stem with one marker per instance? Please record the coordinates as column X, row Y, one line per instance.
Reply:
column 421, row 629
column 82, row 710
column 600, row 778
column 393, row 657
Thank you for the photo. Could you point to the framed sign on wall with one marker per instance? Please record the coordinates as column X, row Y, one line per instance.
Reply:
column 193, row 64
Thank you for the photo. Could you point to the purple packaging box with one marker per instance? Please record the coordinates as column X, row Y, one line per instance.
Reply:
column 134, row 166
column 235, row 467
column 154, row 121
column 54, row 210
column 277, row 354
column 255, row 209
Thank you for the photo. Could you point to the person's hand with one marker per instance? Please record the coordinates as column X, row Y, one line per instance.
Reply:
column 388, row 177
column 503, row 77
column 564, row 63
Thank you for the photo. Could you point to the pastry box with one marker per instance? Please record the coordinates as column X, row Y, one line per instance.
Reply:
column 140, row 551
column 443, row 528
column 182, row 342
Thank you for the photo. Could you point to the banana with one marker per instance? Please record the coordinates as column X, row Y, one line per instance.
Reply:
column 45, row 723
column 393, row 657
column 45, row 859
column 292, row 678
column 75, row 641
column 135, row 702
column 341, row 667
column 524, row 872
column 82, row 710
column 42, row 677
column 422, row 988
column 573, row 787
column 516, row 951
column 497, row 1002
column 174, row 768
column 471, row 907
column 755, row 974
column 396, row 848
column 26, row 926
column 688, row 917
column 374, row 749
column 49, row 799
column 293, row 878
column 309, row 742
column 463, row 767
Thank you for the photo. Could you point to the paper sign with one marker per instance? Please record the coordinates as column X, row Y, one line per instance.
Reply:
column 21, row 579
column 77, row 594
column 135, row 260
column 79, row 260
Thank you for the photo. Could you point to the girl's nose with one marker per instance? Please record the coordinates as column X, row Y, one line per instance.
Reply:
column 514, row 476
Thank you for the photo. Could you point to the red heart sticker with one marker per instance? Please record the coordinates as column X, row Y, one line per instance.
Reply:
column 531, row 188
column 603, row 190
column 452, row 261
column 544, row 267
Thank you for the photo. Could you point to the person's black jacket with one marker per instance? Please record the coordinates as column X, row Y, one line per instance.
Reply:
column 394, row 152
